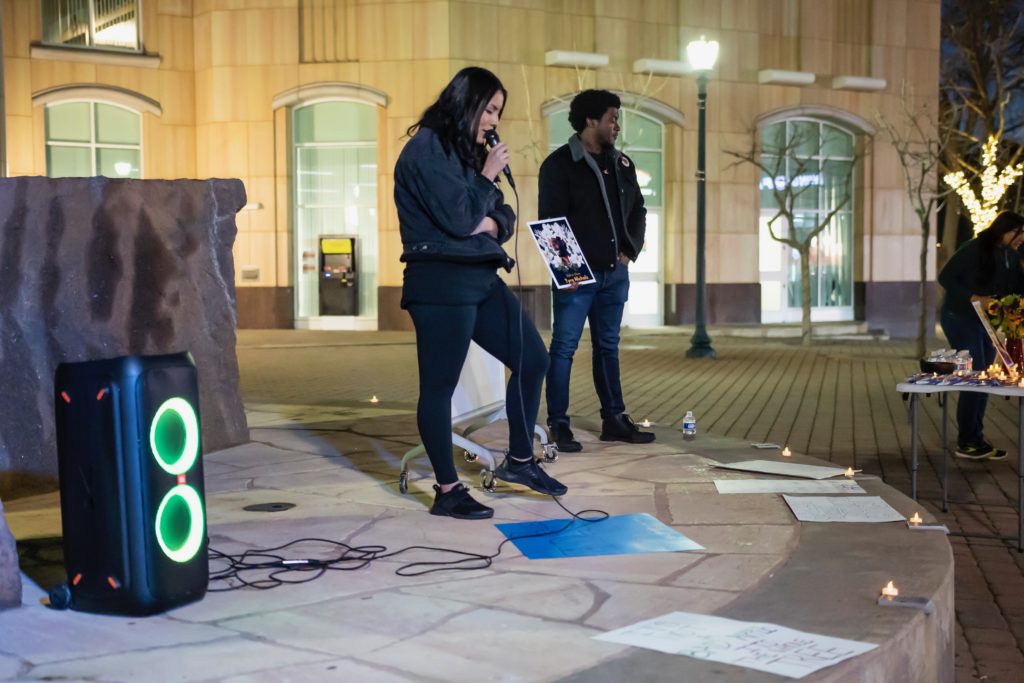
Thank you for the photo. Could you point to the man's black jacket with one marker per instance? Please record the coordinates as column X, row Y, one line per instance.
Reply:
column 570, row 186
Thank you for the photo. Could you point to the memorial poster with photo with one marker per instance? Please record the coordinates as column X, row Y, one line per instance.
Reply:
column 561, row 252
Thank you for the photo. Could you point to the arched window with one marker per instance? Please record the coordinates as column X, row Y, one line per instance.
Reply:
column 335, row 163
column 90, row 138
column 642, row 138
column 817, row 157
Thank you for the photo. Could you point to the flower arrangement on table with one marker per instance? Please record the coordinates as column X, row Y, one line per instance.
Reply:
column 1007, row 315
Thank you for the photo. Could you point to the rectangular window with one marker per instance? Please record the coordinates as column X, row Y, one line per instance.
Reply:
column 93, row 138
column 106, row 24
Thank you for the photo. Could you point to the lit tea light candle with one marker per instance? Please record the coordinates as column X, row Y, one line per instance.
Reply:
column 916, row 519
column 786, row 452
column 890, row 591
column 645, row 423
column 374, row 399
column 849, row 472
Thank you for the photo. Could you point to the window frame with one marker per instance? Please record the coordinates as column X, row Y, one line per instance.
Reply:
column 91, row 31
column 93, row 145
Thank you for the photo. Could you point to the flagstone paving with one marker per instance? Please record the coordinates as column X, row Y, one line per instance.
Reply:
column 319, row 443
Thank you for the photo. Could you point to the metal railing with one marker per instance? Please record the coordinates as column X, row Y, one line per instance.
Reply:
column 92, row 23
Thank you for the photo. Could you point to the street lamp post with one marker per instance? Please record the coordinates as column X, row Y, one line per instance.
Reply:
column 702, row 55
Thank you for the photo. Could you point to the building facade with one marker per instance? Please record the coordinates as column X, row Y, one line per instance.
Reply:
column 307, row 102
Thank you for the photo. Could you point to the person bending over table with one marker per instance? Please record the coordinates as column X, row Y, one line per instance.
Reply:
column 982, row 268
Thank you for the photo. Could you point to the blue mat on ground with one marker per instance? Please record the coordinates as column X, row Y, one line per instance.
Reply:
column 617, row 535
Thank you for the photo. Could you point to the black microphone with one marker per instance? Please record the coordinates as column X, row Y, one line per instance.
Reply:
column 491, row 136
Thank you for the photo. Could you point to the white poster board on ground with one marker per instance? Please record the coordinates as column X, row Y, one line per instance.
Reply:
column 786, row 469
column 842, row 509
column 481, row 387
column 765, row 647
column 726, row 486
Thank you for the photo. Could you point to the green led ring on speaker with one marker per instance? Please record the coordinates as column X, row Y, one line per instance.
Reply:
column 181, row 505
column 174, row 436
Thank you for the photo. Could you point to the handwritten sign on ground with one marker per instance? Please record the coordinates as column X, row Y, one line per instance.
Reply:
column 842, row 509
column 786, row 486
column 787, row 469
column 764, row 647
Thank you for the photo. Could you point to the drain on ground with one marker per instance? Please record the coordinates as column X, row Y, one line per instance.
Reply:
column 269, row 507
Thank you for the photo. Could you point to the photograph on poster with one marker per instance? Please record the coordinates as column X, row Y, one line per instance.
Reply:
column 561, row 252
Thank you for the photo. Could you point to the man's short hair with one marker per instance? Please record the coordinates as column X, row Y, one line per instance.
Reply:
column 591, row 104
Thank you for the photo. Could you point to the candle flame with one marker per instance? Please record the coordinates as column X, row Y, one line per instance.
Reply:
column 890, row 590
column 849, row 471
column 374, row 399
column 916, row 519
column 786, row 452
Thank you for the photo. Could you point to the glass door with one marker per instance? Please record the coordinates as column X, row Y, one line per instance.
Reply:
column 335, row 194
column 819, row 163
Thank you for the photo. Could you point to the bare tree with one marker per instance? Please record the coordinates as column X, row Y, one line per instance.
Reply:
column 920, row 141
column 789, row 166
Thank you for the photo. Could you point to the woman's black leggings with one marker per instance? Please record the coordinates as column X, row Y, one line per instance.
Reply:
column 443, row 334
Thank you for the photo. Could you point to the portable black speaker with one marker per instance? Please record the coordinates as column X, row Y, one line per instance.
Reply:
column 131, row 483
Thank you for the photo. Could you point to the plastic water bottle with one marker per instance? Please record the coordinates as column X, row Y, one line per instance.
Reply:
column 689, row 425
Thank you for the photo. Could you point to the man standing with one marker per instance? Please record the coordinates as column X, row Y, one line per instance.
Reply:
column 594, row 185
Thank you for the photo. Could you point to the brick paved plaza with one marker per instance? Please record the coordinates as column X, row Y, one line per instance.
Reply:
column 835, row 401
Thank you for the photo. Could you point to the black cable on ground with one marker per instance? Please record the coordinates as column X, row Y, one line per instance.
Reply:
column 266, row 568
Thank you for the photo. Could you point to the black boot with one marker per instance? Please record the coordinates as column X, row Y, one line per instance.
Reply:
column 529, row 473
column 564, row 440
column 621, row 428
column 459, row 504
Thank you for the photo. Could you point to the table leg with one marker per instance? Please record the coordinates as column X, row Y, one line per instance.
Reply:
column 1020, row 474
column 913, row 446
column 945, row 454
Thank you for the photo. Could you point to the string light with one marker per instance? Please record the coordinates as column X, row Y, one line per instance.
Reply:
column 994, row 184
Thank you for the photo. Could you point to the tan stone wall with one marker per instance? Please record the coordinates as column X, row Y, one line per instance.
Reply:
column 224, row 61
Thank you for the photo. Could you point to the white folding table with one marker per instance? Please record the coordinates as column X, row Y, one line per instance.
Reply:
column 916, row 390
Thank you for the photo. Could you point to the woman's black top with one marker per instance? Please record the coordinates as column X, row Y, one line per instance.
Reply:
column 966, row 274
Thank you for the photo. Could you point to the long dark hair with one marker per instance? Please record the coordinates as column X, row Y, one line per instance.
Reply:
column 991, row 237
column 455, row 114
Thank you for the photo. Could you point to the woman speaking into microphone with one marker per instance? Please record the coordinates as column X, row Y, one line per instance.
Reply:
column 453, row 220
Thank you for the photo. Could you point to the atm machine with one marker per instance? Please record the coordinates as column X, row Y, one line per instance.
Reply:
column 339, row 286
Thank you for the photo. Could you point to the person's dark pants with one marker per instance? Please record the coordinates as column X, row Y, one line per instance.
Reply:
column 443, row 334
column 601, row 303
column 970, row 335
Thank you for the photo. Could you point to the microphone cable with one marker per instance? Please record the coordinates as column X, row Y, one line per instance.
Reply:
column 267, row 568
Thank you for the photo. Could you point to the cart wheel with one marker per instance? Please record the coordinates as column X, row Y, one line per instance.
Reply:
column 487, row 480
column 60, row 596
column 550, row 452
column 470, row 457
column 403, row 481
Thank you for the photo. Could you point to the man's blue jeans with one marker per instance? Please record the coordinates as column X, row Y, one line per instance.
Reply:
column 970, row 411
column 602, row 303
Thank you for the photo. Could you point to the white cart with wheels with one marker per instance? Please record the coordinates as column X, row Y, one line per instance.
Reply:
column 478, row 401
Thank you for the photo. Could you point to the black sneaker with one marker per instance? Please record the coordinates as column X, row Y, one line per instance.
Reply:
column 529, row 474
column 459, row 504
column 622, row 428
column 564, row 440
column 978, row 451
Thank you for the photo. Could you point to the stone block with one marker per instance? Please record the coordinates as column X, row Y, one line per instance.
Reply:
column 94, row 268
column 10, row 576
